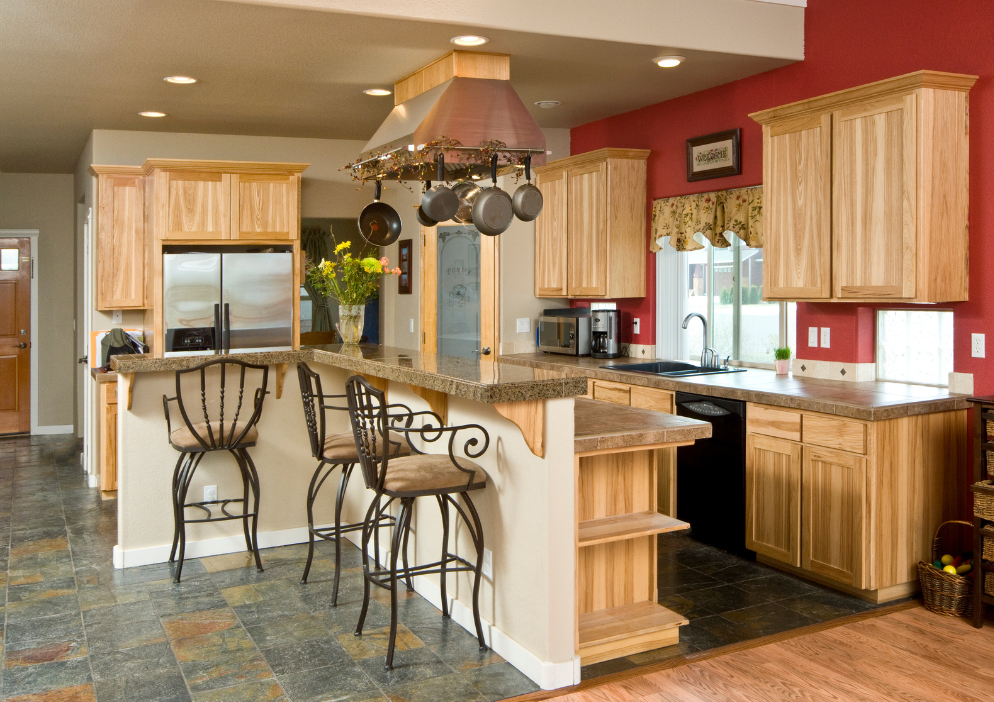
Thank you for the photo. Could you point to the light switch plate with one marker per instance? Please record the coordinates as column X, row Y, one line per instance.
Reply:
column 488, row 564
column 524, row 324
column 813, row 337
column 977, row 345
column 825, row 338
column 117, row 317
column 636, row 330
column 210, row 493
column 412, row 326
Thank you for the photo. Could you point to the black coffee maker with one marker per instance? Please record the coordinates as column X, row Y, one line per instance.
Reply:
column 605, row 333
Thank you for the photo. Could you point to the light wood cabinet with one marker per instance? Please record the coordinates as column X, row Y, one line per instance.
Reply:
column 120, row 241
column 773, row 498
column 833, row 502
column 590, row 240
column 265, row 206
column 191, row 205
column 107, row 418
column 867, row 192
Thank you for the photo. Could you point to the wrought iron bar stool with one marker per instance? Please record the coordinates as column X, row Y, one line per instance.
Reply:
column 419, row 475
column 336, row 451
column 196, row 438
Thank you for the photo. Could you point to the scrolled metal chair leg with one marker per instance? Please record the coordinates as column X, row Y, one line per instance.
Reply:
column 398, row 535
column 343, row 484
column 443, row 507
column 366, row 529
column 477, row 533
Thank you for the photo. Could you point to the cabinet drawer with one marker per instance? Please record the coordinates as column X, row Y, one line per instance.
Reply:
column 110, row 393
column 830, row 432
column 618, row 393
column 770, row 421
column 652, row 398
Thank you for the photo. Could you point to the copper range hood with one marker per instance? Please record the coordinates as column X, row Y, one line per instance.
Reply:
column 465, row 97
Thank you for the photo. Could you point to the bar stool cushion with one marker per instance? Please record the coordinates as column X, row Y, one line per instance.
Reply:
column 184, row 439
column 340, row 448
column 430, row 472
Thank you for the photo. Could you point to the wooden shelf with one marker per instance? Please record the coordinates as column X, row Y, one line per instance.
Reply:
column 627, row 526
column 610, row 633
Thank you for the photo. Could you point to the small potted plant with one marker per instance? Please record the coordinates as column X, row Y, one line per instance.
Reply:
column 782, row 362
column 352, row 281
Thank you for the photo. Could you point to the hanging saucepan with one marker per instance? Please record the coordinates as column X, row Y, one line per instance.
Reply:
column 440, row 203
column 527, row 200
column 379, row 223
column 492, row 211
column 466, row 191
column 424, row 219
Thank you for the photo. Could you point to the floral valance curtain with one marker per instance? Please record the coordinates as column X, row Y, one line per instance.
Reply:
column 713, row 215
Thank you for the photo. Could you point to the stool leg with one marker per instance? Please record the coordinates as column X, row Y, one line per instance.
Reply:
column 443, row 507
column 184, row 488
column 343, row 484
column 366, row 532
column 255, row 511
column 398, row 533
column 177, row 472
column 312, row 493
column 403, row 549
column 245, row 496
column 477, row 533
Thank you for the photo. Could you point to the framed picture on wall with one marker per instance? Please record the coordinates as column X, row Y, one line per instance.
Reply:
column 404, row 280
column 714, row 155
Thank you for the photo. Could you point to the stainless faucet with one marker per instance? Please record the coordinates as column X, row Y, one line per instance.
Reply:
column 709, row 357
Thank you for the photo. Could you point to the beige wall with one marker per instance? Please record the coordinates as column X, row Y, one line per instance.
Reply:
column 45, row 202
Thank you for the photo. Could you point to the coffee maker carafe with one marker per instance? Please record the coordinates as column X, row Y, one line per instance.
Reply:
column 605, row 332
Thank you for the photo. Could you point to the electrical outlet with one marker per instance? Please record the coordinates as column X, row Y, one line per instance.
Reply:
column 117, row 317
column 825, row 338
column 210, row 493
column 412, row 325
column 635, row 324
column 488, row 564
column 524, row 324
column 813, row 337
column 978, row 345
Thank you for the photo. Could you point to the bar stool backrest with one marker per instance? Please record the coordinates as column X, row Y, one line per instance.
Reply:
column 367, row 412
column 219, row 419
column 313, row 398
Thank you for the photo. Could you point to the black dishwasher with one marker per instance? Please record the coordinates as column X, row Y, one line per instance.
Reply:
column 711, row 473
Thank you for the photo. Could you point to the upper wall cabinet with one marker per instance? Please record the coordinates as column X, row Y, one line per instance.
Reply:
column 265, row 205
column 867, row 192
column 590, row 237
column 120, row 241
column 191, row 204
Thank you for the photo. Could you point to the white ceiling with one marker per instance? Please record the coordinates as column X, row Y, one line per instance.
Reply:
column 71, row 66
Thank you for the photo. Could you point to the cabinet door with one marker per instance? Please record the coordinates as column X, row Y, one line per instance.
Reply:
column 873, row 200
column 773, row 498
column 121, row 243
column 797, row 168
column 652, row 399
column 265, row 206
column 192, row 205
column 834, row 496
column 587, row 222
column 108, row 436
column 550, row 236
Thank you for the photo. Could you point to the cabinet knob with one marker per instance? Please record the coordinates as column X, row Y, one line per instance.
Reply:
column 485, row 351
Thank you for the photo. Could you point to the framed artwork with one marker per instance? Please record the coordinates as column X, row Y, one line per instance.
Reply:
column 404, row 279
column 714, row 155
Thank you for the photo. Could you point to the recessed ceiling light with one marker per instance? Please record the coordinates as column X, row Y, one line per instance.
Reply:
column 469, row 40
column 180, row 80
column 668, row 61
column 152, row 113
column 548, row 104
column 378, row 92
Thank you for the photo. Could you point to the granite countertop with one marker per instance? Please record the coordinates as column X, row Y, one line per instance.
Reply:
column 488, row 380
column 102, row 376
column 868, row 401
column 599, row 425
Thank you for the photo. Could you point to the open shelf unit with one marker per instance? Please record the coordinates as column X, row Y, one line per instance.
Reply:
column 617, row 525
column 983, row 448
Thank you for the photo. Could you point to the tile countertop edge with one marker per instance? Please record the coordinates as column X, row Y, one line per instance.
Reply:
column 600, row 426
column 765, row 396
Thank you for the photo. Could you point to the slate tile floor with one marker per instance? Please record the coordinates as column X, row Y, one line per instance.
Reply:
column 77, row 630
column 728, row 599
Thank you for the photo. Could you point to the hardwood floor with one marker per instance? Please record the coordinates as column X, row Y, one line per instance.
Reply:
column 908, row 654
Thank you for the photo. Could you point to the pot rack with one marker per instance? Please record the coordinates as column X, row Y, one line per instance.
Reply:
column 422, row 170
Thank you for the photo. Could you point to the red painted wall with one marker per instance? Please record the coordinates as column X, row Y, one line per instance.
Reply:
column 847, row 43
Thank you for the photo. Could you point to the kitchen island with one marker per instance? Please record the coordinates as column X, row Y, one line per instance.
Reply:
column 573, row 562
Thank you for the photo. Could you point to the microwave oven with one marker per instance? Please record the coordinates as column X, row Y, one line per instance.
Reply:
column 562, row 334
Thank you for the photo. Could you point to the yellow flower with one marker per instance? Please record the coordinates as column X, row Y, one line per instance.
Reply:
column 343, row 245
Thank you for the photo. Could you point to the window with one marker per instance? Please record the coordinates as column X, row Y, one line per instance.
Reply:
column 726, row 287
column 915, row 346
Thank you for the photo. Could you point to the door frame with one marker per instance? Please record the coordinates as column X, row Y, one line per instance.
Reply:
column 33, row 356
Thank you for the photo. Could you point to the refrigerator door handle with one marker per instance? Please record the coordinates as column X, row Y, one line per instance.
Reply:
column 226, row 334
column 217, row 328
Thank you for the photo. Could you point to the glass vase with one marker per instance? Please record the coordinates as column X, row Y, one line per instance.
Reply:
column 350, row 322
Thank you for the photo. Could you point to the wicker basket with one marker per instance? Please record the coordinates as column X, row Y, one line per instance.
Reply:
column 988, row 552
column 946, row 593
column 989, row 584
column 989, row 455
column 983, row 504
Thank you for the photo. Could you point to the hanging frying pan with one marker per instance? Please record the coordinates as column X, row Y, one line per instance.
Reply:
column 440, row 203
column 492, row 210
column 424, row 219
column 466, row 191
column 379, row 223
column 527, row 201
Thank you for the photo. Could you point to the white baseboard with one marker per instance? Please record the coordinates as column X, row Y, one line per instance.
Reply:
column 93, row 481
column 54, row 429
column 150, row 555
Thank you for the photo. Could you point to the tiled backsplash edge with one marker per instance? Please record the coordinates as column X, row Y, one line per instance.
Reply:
column 834, row 370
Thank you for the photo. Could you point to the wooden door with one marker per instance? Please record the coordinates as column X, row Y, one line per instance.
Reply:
column 192, row 205
column 15, row 335
column 550, row 236
column 773, row 498
column 587, row 254
column 265, row 206
column 797, row 169
column 121, row 242
column 874, row 193
column 834, row 499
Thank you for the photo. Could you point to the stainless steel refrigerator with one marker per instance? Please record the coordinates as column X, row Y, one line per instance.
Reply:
column 227, row 302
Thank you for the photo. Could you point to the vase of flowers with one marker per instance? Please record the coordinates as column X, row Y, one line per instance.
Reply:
column 352, row 280
column 782, row 360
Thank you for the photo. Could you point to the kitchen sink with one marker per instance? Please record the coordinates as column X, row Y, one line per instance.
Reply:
column 670, row 369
